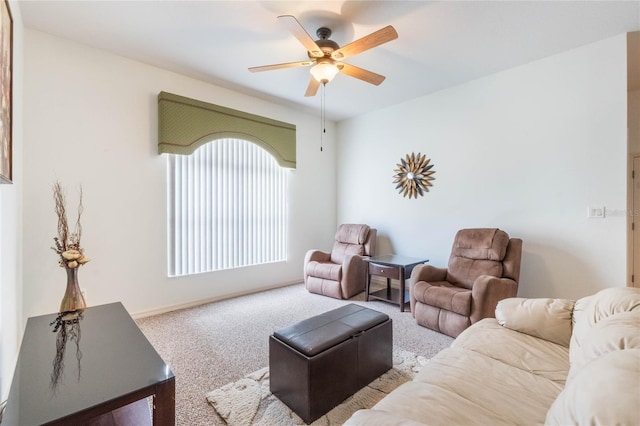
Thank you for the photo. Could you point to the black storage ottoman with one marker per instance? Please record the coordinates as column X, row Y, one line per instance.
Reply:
column 317, row 363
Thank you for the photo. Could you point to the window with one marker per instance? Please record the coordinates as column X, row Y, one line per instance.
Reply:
column 227, row 208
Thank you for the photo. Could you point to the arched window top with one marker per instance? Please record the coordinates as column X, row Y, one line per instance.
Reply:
column 227, row 208
column 185, row 124
column 273, row 151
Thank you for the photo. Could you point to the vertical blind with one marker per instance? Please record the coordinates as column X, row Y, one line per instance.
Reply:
column 227, row 208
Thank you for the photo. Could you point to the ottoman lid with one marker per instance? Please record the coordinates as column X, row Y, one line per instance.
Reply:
column 319, row 333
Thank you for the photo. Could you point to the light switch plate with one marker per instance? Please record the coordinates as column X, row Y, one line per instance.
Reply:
column 596, row 212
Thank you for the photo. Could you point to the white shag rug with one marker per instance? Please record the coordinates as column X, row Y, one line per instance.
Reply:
column 248, row 401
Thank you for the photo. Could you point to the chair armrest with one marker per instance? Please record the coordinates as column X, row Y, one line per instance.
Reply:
column 548, row 319
column 314, row 256
column 427, row 273
column 354, row 275
column 486, row 292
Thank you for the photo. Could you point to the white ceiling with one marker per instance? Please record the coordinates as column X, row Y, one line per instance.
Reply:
column 440, row 43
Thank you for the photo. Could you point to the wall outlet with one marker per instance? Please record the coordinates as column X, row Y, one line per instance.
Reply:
column 596, row 212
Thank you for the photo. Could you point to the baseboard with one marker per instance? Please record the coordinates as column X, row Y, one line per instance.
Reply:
column 199, row 302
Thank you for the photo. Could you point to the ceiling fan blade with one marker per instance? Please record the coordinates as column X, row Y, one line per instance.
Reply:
column 312, row 89
column 370, row 41
column 361, row 73
column 279, row 66
column 292, row 24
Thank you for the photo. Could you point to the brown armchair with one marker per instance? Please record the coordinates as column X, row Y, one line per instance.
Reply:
column 484, row 268
column 342, row 273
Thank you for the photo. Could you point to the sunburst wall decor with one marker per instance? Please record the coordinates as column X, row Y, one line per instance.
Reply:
column 414, row 175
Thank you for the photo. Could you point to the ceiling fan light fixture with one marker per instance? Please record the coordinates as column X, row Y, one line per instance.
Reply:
column 324, row 72
column 326, row 54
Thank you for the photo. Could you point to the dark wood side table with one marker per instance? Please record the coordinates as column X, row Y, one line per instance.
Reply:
column 73, row 381
column 392, row 267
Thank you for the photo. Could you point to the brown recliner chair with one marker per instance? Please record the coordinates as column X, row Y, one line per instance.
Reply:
column 342, row 273
column 484, row 268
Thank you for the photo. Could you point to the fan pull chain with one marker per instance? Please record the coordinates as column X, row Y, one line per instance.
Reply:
column 322, row 116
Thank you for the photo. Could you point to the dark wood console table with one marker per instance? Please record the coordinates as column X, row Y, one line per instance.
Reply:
column 73, row 381
column 391, row 266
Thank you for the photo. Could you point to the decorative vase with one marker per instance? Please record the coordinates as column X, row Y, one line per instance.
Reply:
column 73, row 299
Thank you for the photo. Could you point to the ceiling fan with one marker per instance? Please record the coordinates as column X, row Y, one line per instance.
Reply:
column 326, row 55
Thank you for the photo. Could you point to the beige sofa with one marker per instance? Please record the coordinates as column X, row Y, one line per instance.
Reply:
column 540, row 361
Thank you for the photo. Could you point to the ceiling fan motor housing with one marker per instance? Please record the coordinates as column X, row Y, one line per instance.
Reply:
column 324, row 43
column 323, row 33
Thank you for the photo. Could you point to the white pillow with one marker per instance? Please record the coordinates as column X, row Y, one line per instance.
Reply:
column 604, row 392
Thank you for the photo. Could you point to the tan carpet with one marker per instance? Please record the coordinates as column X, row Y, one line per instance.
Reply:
column 248, row 401
column 211, row 345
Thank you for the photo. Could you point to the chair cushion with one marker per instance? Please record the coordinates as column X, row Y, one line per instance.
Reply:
column 476, row 252
column 341, row 250
column 352, row 233
column 616, row 332
column 328, row 271
column 537, row 356
column 589, row 310
column 443, row 295
column 548, row 319
column 324, row 287
column 480, row 243
column 603, row 392
column 464, row 271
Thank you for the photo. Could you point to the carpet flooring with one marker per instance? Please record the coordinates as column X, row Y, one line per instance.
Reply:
column 211, row 345
column 248, row 401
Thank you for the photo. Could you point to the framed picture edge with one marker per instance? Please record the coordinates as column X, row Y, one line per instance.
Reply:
column 6, row 176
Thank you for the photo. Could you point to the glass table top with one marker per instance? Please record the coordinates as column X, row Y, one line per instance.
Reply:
column 396, row 260
column 70, row 366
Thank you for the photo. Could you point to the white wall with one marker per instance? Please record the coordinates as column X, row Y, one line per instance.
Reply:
column 91, row 119
column 525, row 150
column 11, row 324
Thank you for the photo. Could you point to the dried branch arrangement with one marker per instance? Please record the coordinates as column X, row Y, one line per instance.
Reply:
column 414, row 175
column 68, row 244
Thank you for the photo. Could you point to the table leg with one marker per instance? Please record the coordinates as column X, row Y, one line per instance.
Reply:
column 164, row 404
column 368, row 289
column 402, row 284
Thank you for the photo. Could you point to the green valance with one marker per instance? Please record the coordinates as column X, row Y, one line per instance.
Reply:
column 185, row 124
